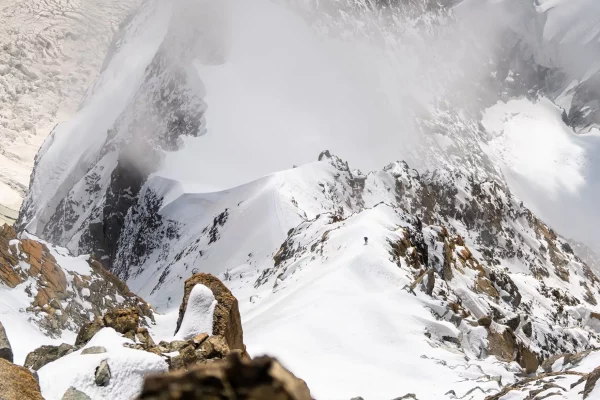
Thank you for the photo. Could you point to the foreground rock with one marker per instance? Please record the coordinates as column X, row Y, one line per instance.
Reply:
column 233, row 378
column 46, row 354
column 5, row 348
column 17, row 383
column 226, row 317
column 74, row 394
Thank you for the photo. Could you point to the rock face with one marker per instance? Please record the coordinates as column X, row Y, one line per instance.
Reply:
column 261, row 378
column 226, row 318
column 46, row 354
column 17, row 383
column 63, row 297
column 5, row 348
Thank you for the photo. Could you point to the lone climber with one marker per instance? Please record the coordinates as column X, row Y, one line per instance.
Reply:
column 366, row 240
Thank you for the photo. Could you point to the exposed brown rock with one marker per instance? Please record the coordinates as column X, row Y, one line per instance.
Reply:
column 484, row 285
column 226, row 319
column 233, row 378
column 8, row 258
column 55, row 289
column 485, row 321
column 527, row 359
column 17, row 383
column 123, row 320
column 5, row 348
column 198, row 350
column 502, row 344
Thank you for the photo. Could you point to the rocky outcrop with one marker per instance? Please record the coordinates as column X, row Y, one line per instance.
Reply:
column 591, row 382
column 233, row 378
column 502, row 343
column 226, row 318
column 5, row 348
column 125, row 321
column 8, row 275
column 61, row 298
column 74, row 394
column 87, row 331
column 46, row 354
column 17, row 383
column 102, row 374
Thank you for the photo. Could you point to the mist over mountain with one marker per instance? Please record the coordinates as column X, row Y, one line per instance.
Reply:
column 394, row 198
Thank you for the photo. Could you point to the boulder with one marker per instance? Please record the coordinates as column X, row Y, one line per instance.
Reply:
column 501, row 343
column 46, row 354
column 93, row 350
column 5, row 348
column 485, row 321
column 74, row 394
column 123, row 320
column 102, row 375
column 17, row 383
column 527, row 359
column 87, row 331
column 590, row 384
column 226, row 318
column 233, row 378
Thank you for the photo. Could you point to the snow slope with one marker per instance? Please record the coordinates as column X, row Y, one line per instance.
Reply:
column 51, row 52
column 369, row 319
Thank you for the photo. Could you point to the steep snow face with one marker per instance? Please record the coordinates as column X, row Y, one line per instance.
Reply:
column 81, row 201
column 393, row 262
column 51, row 52
column 547, row 165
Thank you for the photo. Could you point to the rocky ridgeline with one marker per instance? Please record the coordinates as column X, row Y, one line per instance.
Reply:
column 61, row 298
column 526, row 290
column 205, row 366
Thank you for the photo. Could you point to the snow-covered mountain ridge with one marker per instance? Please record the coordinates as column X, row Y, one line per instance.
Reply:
column 402, row 273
